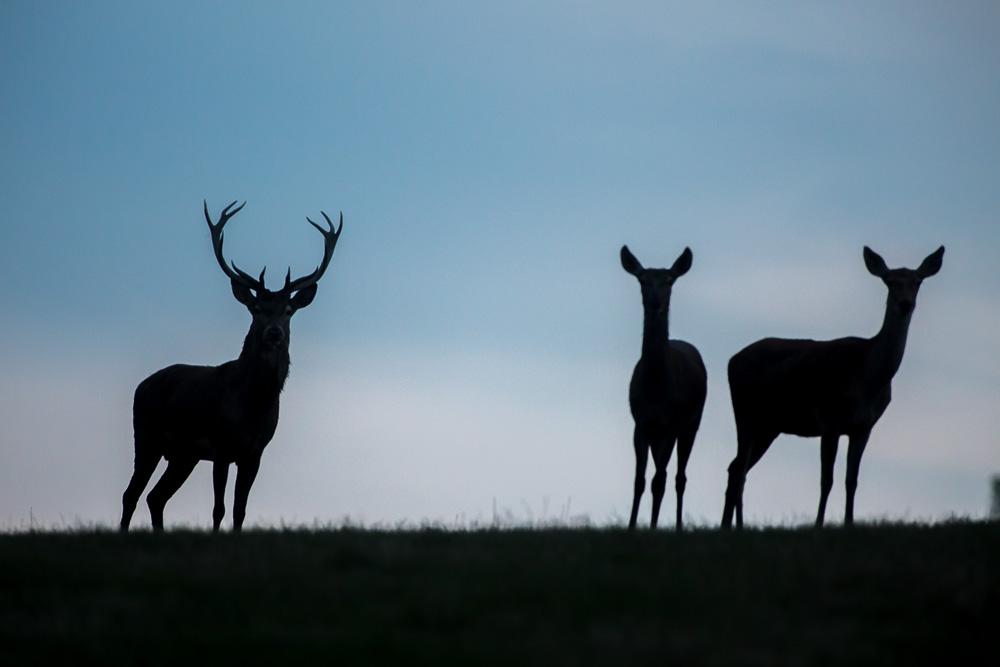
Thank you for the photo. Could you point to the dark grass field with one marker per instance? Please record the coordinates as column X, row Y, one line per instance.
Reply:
column 874, row 594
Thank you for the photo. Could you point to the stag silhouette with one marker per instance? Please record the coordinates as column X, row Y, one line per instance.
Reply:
column 668, row 387
column 224, row 414
column 821, row 388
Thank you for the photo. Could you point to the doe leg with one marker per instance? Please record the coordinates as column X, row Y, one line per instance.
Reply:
column 661, row 457
column 734, row 488
column 855, row 449
column 828, row 456
column 761, row 445
column 641, row 454
column 684, row 445
column 749, row 453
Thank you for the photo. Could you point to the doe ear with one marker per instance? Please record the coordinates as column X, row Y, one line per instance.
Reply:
column 683, row 263
column 629, row 262
column 931, row 263
column 243, row 294
column 304, row 297
column 875, row 263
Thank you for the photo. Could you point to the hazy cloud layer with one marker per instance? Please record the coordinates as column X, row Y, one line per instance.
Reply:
column 409, row 436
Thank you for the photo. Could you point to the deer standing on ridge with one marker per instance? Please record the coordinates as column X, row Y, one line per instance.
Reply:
column 668, row 387
column 822, row 389
column 224, row 414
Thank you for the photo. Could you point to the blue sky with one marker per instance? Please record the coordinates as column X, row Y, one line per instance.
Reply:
column 473, row 339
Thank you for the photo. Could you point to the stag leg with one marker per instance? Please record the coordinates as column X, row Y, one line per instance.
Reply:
column 855, row 449
column 684, row 445
column 177, row 471
column 145, row 464
column 828, row 456
column 641, row 453
column 220, row 473
column 661, row 457
column 246, row 473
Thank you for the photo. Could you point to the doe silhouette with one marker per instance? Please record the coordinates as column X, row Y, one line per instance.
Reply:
column 667, row 391
column 225, row 414
column 821, row 388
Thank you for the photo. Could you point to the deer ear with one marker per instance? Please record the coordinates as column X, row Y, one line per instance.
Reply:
column 683, row 263
column 243, row 294
column 304, row 297
column 931, row 264
column 875, row 263
column 629, row 262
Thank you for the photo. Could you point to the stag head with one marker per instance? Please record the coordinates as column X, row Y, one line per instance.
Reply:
column 272, row 311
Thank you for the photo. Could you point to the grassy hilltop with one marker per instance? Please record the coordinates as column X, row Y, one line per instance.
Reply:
column 777, row 596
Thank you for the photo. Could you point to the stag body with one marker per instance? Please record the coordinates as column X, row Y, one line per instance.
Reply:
column 824, row 389
column 225, row 414
column 667, row 391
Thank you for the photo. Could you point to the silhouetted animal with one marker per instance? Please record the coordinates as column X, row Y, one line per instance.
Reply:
column 224, row 414
column 821, row 388
column 667, row 392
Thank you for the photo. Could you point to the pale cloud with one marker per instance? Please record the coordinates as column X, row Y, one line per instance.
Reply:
column 858, row 32
column 801, row 296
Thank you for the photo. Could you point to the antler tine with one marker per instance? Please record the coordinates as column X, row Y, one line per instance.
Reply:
column 225, row 215
column 246, row 277
column 226, row 212
column 330, row 237
column 216, row 230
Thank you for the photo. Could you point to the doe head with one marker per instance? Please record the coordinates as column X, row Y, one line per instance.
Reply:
column 272, row 311
column 903, row 283
column 656, row 284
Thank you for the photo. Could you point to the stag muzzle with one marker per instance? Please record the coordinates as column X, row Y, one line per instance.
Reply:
column 274, row 336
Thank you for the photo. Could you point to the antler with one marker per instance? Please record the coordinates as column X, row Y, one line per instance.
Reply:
column 234, row 273
column 330, row 237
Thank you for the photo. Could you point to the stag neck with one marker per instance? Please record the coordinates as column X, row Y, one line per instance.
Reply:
column 655, row 333
column 889, row 344
column 264, row 371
